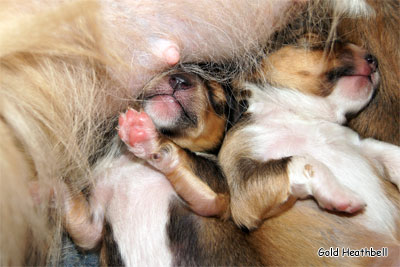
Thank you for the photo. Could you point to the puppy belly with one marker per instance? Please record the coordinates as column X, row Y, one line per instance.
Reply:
column 354, row 172
column 138, row 213
column 338, row 148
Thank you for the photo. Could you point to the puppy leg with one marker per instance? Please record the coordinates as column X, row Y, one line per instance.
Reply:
column 309, row 177
column 139, row 133
column 84, row 221
column 262, row 189
column 387, row 157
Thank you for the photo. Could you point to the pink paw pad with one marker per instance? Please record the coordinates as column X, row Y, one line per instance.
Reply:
column 342, row 203
column 136, row 128
column 350, row 206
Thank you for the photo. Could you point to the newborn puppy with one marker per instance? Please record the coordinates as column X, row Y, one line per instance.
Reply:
column 190, row 116
column 291, row 140
column 182, row 114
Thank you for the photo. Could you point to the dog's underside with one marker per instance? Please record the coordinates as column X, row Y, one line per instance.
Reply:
column 73, row 62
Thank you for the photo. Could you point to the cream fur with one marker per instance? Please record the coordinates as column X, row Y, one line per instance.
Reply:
column 68, row 67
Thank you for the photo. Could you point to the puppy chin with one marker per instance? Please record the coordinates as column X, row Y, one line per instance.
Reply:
column 353, row 93
column 164, row 110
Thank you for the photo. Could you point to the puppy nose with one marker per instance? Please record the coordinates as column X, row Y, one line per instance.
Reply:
column 372, row 62
column 179, row 82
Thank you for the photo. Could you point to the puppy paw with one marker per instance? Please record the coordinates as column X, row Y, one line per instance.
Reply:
column 309, row 177
column 138, row 132
column 336, row 197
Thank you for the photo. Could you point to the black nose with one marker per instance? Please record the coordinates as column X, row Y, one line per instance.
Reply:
column 179, row 82
column 372, row 62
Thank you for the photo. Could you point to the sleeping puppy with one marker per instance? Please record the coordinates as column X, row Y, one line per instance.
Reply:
column 291, row 142
column 190, row 116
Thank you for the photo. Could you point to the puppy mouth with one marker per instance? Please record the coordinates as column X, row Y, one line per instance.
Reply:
column 372, row 77
column 170, row 102
column 367, row 69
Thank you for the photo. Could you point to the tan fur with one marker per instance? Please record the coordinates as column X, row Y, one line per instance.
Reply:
column 67, row 68
column 303, row 67
column 77, row 220
column 200, row 197
column 294, row 237
column 210, row 126
column 212, row 129
column 56, row 95
column 381, row 119
column 267, row 188
column 296, row 70
column 49, row 112
column 280, row 239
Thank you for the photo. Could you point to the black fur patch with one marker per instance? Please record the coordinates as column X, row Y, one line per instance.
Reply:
column 110, row 255
column 206, row 241
column 337, row 73
column 202, row 241
column 250, row 168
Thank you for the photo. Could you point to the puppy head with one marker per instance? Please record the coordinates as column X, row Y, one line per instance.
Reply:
column 345, row 76
column 189, row 110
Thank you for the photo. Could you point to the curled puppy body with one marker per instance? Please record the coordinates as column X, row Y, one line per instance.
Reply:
column 293, row 138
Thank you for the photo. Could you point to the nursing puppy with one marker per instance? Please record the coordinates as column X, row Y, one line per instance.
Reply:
column 68, row 67
column 192, row 115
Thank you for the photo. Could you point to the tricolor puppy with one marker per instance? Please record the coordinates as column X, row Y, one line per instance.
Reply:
column 148, row 221
column 183, row 115
column 291, row 141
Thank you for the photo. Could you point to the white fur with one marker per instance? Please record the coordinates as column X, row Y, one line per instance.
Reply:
column 310, row 177
column 302, row 125
column 352, row 7
column 138, row 211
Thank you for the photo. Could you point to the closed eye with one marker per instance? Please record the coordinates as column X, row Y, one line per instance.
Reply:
column 339, row 72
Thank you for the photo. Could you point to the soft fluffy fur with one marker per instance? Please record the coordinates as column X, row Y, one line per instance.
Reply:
column 65, row 71
column 173, row 234
column 290, row 140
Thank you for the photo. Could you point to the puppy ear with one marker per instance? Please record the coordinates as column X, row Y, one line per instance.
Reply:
column 311, row 41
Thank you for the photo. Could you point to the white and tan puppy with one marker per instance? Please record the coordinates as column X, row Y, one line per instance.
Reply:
column 291, row 137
